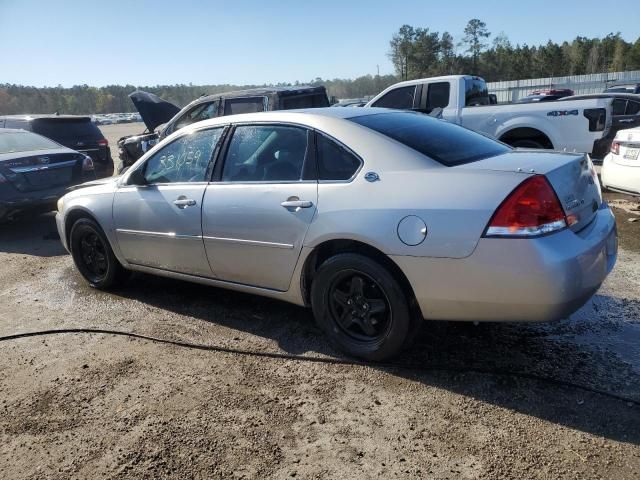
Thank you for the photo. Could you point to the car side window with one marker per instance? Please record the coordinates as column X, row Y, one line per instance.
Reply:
column 186, row 159
column 633, row 108
column 233, row 106
column 334, row 161
column 619, row 106
column 265, row 153
column 438, row 95
column 400, row 98
column 197, row 114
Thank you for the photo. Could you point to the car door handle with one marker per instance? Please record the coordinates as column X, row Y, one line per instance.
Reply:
column 184, row 202
column 297, row 204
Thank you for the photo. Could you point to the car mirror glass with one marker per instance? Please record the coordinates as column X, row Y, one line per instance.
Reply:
column 137, row 178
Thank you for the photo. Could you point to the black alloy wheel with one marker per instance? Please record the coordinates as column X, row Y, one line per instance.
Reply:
column 362, row 307
column 93, row 255
column 359, row 306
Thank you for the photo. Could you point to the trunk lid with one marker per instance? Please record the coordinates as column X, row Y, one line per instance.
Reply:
column 571, row 175
column 43, row 170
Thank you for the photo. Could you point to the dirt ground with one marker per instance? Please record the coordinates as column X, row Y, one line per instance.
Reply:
column 98, row 406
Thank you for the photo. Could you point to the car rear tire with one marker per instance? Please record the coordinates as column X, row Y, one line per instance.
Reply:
column 361, row 307
column 93, row 255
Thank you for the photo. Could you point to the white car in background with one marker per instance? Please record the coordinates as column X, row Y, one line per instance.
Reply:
column 621, row 167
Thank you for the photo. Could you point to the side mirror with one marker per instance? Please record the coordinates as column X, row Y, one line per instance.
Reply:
column 137, row 177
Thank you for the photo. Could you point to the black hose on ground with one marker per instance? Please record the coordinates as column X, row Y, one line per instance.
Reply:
column 331, row 361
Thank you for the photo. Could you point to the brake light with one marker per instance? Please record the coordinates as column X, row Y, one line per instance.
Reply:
column 103, row 142
column 87, row 164
column 615, row 148
column 532, row 209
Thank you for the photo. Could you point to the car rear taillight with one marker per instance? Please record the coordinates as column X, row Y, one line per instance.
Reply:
column 103, row 142
column 3, row 179
column 532, row 209
column 87, row 164
column 597, row 119
column 615, row 148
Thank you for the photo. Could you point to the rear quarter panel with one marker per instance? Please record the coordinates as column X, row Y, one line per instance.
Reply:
column 455, row 205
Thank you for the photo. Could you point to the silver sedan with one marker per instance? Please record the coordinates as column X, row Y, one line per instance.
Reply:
column 374, row 218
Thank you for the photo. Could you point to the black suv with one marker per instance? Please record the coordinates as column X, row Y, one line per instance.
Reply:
column 73, row 131
column 155, row 112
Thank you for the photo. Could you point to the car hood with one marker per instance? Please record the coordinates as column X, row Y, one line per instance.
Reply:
column 93, row 183
column 153, row 110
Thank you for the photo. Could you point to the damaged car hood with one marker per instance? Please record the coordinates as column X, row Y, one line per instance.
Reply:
column 153, row 110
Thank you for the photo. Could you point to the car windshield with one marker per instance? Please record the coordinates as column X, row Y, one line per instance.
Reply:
column 11, row 142
column 440, row 140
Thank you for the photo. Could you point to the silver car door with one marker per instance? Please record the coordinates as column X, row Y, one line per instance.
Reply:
column 257, row 213
column 158, row 221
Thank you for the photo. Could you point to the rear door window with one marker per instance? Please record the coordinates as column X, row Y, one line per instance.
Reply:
column 334, row 161
column 233, row 106
column 399, row 98
column 442, row 141
column 633, row 108
column 619, row 106
column 438, row 95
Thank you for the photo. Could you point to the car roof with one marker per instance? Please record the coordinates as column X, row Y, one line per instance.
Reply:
column 29, row 116
column 256, row 92
column 307, row 116
column 626, row 96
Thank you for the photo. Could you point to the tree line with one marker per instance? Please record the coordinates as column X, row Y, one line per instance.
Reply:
column 417, row 52
column 83, row 99
column 414, row 51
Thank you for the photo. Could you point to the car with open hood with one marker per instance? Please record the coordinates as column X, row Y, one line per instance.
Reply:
column 162, row 118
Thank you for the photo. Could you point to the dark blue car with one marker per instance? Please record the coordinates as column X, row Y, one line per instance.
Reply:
column 35, row 171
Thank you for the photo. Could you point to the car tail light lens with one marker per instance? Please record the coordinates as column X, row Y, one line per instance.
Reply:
column 87, row 164
column 597, row 119
column 615, row 148
column 103, row 142
column 532, row 209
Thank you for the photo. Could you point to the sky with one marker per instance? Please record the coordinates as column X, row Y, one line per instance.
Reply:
column 143, row 43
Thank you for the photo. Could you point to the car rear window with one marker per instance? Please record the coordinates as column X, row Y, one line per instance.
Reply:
column 440, row 140
column 61, row 129
column 304, row 101
column 11, row 142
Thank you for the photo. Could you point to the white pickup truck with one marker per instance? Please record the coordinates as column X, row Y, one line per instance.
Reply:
column 577, row 125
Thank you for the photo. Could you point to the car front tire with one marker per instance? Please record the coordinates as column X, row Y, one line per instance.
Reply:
column 361, row 307
column 93, row 255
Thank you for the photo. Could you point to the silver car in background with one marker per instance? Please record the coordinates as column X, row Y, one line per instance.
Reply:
column 375, row 218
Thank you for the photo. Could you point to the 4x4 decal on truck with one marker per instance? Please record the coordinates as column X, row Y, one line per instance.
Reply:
column 562, row 113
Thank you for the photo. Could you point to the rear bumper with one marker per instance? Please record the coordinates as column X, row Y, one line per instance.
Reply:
column 520, row 280
column 25, row 201
column 625, row 178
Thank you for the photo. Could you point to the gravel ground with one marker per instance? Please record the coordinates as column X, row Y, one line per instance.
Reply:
column 96, row 406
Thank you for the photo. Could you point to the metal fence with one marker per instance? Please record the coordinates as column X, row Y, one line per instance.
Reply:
column 512, row 90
